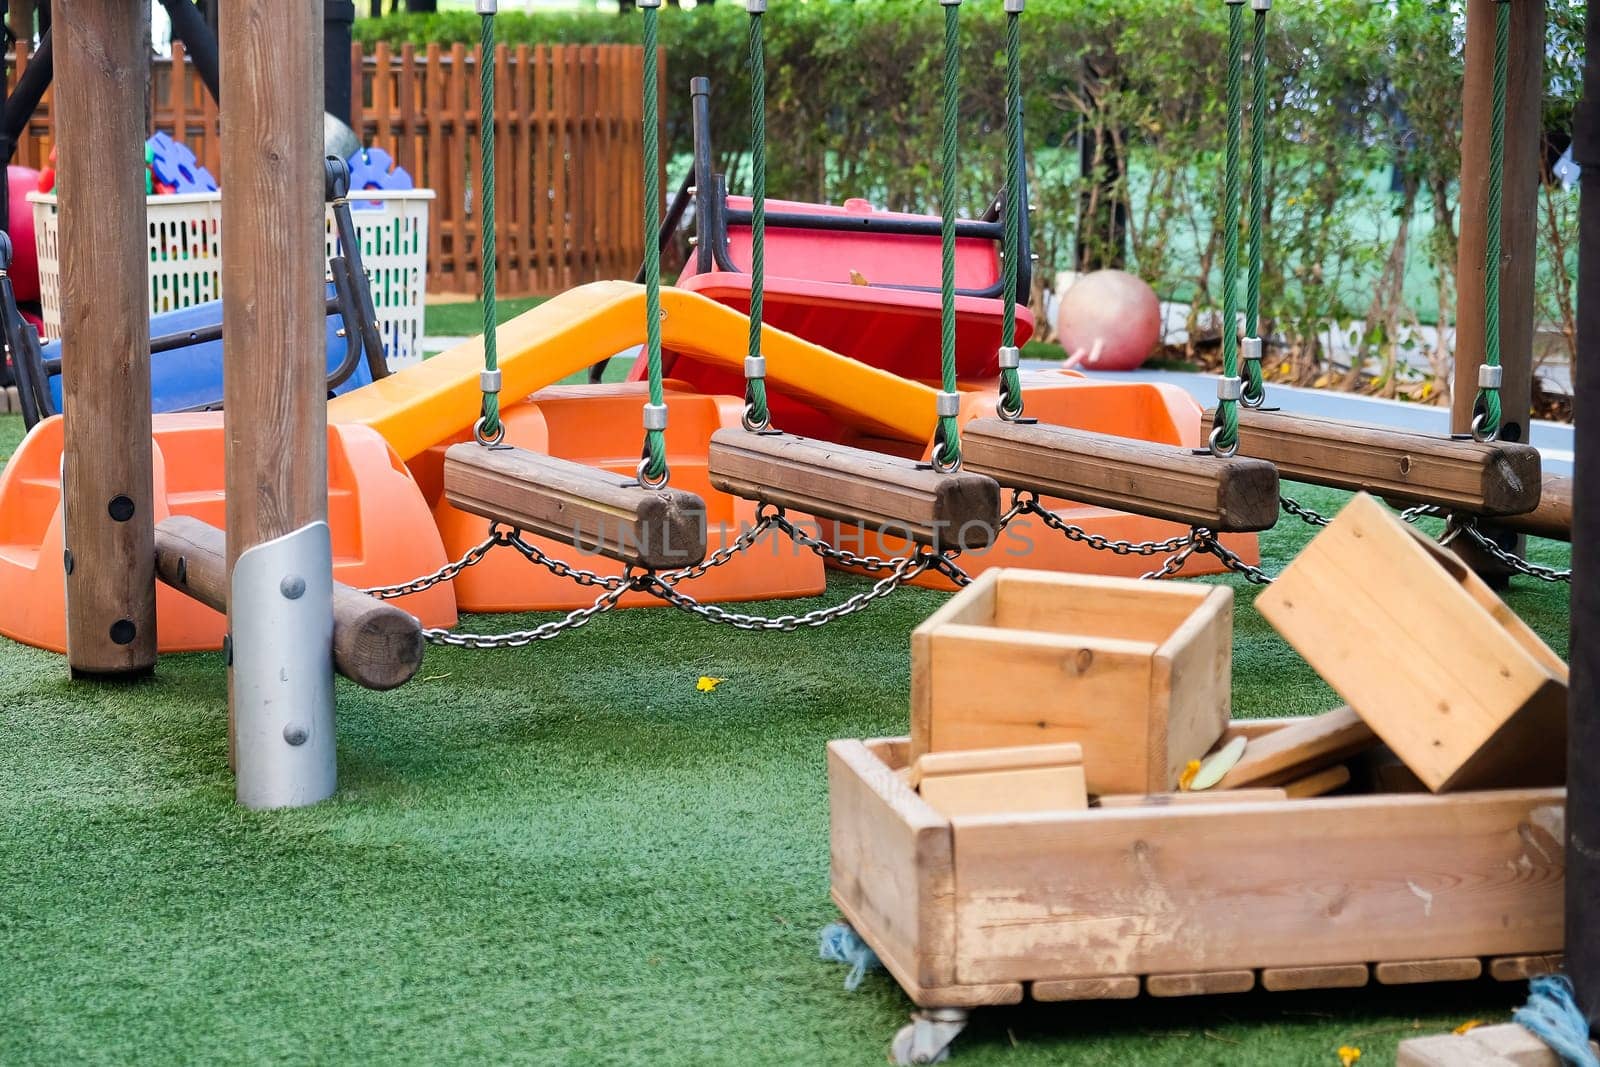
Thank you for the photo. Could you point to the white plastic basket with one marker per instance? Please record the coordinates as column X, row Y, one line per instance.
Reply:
column 186, row 258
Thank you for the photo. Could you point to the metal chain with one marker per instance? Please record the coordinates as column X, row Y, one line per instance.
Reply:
column 1307, row 515
column 1206, row 541
column 521, row 638
column 905, row 569
column 449, row 571
column 1511, row 559
column 942, row 562
column 1025, row 503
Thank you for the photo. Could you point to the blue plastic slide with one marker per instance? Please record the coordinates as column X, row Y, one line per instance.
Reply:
column 190, row 377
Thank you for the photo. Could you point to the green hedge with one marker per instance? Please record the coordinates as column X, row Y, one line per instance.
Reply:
column 1359, row 90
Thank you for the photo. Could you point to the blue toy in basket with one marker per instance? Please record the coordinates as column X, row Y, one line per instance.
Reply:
column 175, row 166
column 373, row 168
column 189, row 377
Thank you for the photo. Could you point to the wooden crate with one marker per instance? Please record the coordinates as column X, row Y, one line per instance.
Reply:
column 1191, row 898
column 1138, row 673
column 1458, row 686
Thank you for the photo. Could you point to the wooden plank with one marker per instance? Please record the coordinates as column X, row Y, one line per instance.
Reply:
column 1028, row 778
column 405, row 141
column 1323, row 781
column 528, row 195
column 1162, row 800
column 1411, row 972
column 1200, row 983
column 1453, row 681
column 504, row 162
column 561, row 147
column 1498, row 478
column 1228, row 887
column 1553, row 517
column 102, row 63
column 1143, row 477
column 1192, row 679
column 1300, row 748
column 463, row 145
column 1521, row 968
column 439, row 174
column 593, row 510
column 1329, row 976
column 1503, row 1045
column 375, row 644
column 1116, row 987
column 892, row 493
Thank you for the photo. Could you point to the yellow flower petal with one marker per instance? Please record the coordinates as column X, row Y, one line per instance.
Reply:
column 1192, row 769
column 1348, row 1055
column 706, row 685
column 1470, row 1024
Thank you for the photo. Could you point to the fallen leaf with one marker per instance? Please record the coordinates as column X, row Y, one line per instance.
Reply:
column 1470, row 1024
column 1348, row 1054
column 707, row 685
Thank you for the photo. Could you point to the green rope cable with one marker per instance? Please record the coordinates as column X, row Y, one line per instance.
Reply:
column 1226, row 431
column 1254, row 387
column 492, row 429
column 1489, row 399
column 949, row 434
column 655, row 440
column 755, row 389
column 1010, row 377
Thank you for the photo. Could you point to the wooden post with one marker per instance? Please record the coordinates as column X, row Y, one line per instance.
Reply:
column 274, row 389
column 1583, row 705
column 1519, row 213
column 103, row 56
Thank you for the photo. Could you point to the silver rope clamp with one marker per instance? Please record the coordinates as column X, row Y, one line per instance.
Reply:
column 1490, row 376
column 647, row 3
column 1260, row 5
column 488, row 7
column 1229, row 388
column 1250, row 349
column 949, row 3
column 1014, row 7
column 755, row 7
column 1010, row 357
column 948, row 405
column 755, row 366
column 655, row 417
column 489, row 381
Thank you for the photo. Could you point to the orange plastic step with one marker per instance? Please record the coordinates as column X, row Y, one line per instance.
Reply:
column 599, row 425
column 1145, row 410
column 382, row 531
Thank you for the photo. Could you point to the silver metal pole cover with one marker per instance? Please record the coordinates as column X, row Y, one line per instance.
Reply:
column 282, row 641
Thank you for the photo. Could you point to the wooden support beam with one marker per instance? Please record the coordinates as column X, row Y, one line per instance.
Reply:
column 1495, row 478
column 1411, row 972
column 1200, row 983
column 899, row 496
column 1553, row 517
column 273, row 265
column 1519, row 238
column 375, row 644
column 1143, row 477
column 593, row 510
column 1327, row 976
column 102, row 55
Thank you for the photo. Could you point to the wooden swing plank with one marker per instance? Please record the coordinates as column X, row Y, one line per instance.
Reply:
column 593, row 510
column 891, row 493
column 1482, row 478
column 1553, row 517
column 1144, row 477
column 375, row 644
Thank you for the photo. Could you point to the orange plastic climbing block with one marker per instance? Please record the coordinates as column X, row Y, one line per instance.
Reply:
column 598, row 425
column 382, row 531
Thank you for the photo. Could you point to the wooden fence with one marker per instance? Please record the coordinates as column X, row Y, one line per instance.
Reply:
column 568, row 156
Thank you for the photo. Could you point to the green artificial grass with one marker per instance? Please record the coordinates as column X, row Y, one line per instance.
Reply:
column 562, row 854
column 465, row 319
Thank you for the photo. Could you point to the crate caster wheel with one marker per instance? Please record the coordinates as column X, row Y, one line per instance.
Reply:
column 927, row 1038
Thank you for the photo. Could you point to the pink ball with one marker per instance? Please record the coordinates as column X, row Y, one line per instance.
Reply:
column 1108, row 320
column 25, row 255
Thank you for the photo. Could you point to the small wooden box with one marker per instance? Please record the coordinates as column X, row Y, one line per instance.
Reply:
column 1138, row 673
column 1180, row 899
column 1447, row 675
